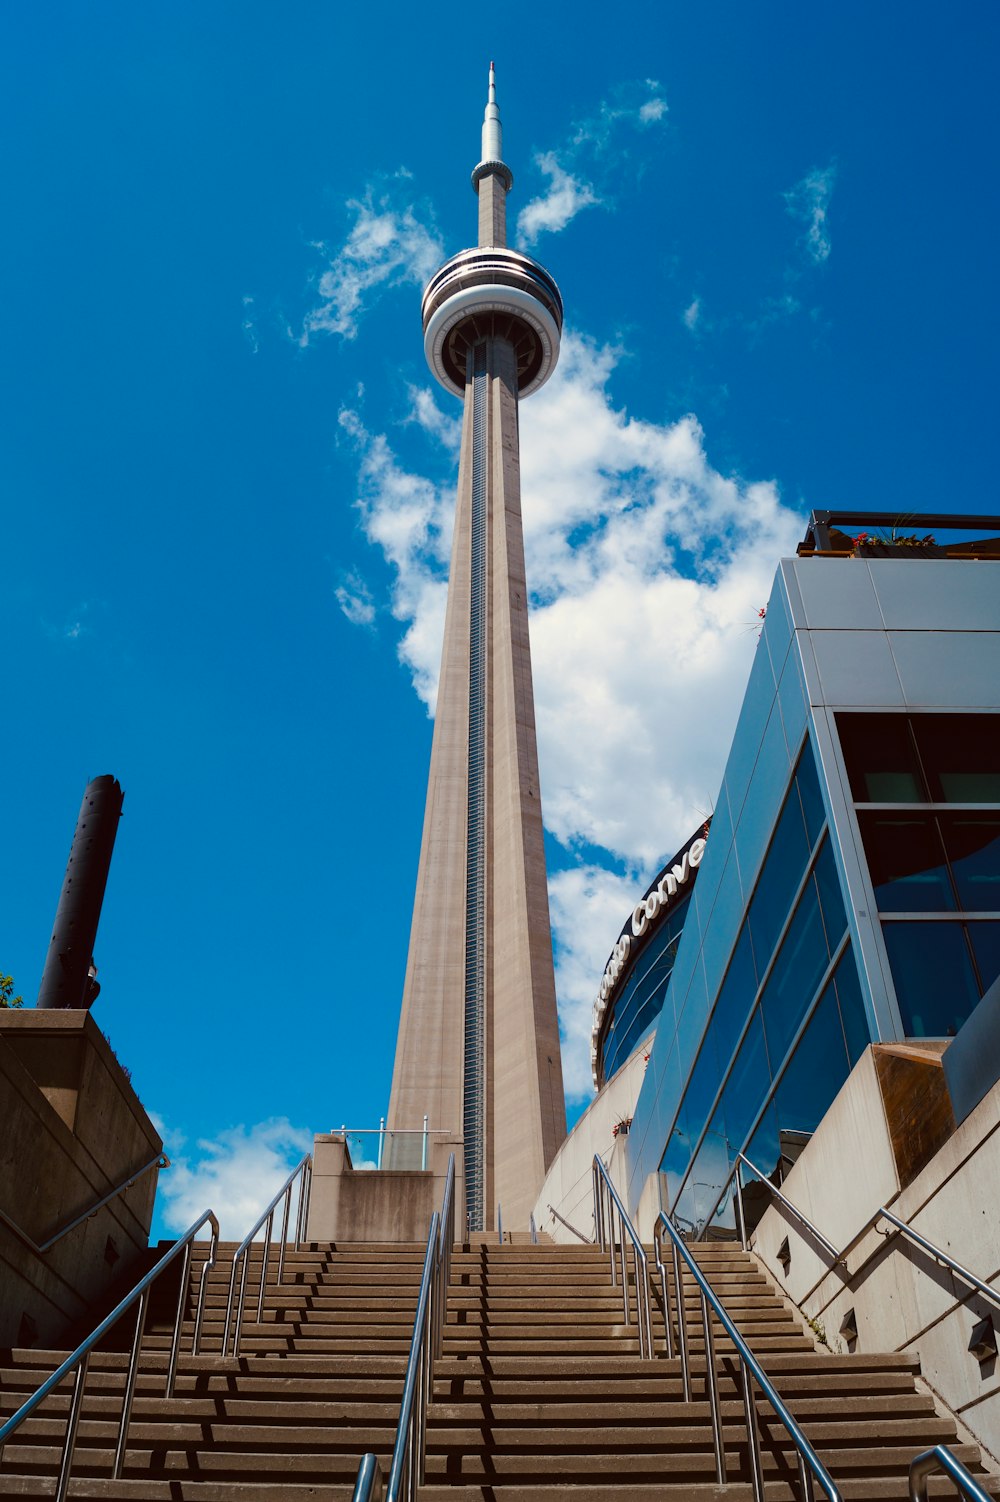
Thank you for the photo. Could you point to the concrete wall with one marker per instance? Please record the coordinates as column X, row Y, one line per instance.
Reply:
column 902, row 1299
column 73, row 1128
column 387, row 1205
column 568, row 1186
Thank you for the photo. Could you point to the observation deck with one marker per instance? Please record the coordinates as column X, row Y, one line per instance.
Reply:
column 492, row 292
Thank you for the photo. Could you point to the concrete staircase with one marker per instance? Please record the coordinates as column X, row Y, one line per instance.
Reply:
column 540, row 1395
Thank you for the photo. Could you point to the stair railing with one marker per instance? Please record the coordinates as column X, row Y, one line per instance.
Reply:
column 41, row 1247
column 532, row 1229
column 303, row 1173
column 79, row 1361
column 902, row 1226
column 407, row 1468
column 608, row 1204
column 941, row 1459
column 587, row 1240
column 368, row 1482
column 809, row 1463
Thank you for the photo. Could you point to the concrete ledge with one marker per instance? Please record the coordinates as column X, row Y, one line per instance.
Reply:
column 389, row 1205
column 73, row 1129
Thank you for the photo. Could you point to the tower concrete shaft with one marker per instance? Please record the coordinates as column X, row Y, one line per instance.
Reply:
column 478, row 1047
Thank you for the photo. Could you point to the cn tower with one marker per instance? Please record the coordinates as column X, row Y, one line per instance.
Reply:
column 478, row 1045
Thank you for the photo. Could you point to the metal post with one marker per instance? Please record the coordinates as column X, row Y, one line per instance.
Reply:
column 239, row 1304
column 381, row 1141
column 175, row 1344
column 133, row 1372
column 423, row 1155
column 682, row 1325
column 268, row 1230
column 740, row 1213
column 753, row 1436
column 712, row 1382
column 499, row 1224
column 69, row 1443
column 806, row 1481
column 669, row 1334
column 284, row 1232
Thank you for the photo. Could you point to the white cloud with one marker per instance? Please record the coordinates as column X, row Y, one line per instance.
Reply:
column 691, row 314
column 562, row 201
column 809, row 202
column 427, row 415
column 250, row 325
column 355, row 600
column 387, row 245
column 410, row 519
column 587, row 906
column 236, row 1175
column 587, row 167
column 645, row 565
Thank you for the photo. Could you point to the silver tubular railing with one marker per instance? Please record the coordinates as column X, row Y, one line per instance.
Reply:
column 406, row 1468
column 607, row 1204
column 902, row 1226
column 532, row 1229
column 79, row 1361
column 941, row 1459
column 368, row 1482
column 809, row 1464
column 41, row 1247
column 242, row 1253
column 587, row 1240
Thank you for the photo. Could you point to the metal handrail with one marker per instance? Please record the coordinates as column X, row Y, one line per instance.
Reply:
column 242, row 1251
column 368, row 1482
column 941, row 1459
column 40, row 1248
column 587, row 1240
column 407, row 1466
column 945, row 1258
column 814, row 1231
column 79, row 1360
column 809, row 1463
column 606, row 1202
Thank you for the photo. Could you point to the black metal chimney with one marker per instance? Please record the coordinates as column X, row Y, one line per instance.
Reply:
column 68, row 977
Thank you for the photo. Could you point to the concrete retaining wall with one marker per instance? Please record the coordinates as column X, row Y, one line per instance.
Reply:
column 73, row 1128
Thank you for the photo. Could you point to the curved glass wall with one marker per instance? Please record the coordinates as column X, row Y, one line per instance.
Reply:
column 639, row 998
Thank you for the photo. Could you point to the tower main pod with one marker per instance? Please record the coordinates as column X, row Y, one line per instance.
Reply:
column 478, row 1047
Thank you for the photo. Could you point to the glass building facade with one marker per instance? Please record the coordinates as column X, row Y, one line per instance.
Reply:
column 637, row 977
column 850, row 891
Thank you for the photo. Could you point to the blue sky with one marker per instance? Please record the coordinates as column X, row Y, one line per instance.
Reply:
column 227, row 478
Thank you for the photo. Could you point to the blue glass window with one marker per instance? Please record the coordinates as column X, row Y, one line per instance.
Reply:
column 852, row 1007
column 735, row 997
column 881, row 758
column 973, row 845
column 748, row 1083
column 807, row 781
column 816, row 1070
column 792, row 983
column 830, row 897
column 986, row 947
column 779, row 878
column 932, row 972
column 907, row 863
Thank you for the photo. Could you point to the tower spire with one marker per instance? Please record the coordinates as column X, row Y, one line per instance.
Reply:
column 492, row 128
column 491, row 177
